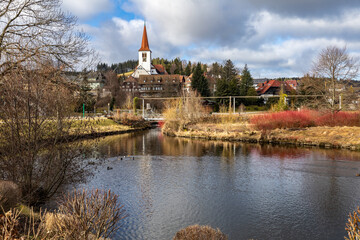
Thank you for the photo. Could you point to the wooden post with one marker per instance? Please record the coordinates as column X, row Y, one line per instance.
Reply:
column 234, row 104
column 230, row 104
column 340, row 102
column 143, row 108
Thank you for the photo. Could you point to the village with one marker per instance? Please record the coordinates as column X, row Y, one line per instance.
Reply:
column 149, row 80
column 183, row 120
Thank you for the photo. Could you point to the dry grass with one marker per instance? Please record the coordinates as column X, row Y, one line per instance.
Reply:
column 96, row 125
column 81, row 215
column 353, row 226
column 342, row 136
column 196, row 232
column 186, row 110
column 15, row 225
column 131, row 120
column 84, row 214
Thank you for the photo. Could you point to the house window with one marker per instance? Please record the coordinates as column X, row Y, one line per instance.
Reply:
column 144, row 57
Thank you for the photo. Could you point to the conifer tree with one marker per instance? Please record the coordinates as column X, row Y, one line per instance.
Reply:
column 188, row 69
column 199, row 82
column 246, row 81
column 227, row 85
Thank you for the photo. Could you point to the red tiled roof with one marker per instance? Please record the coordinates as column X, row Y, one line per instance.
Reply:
column 144, row 43
column 160, row 68
column 264, row 87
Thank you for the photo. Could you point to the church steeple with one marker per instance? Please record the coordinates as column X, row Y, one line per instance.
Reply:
column 144, row 43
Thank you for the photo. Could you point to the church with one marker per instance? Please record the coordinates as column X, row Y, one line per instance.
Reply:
column 150, row 80
column 145, row 66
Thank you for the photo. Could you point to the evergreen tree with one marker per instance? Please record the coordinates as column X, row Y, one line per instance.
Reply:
column 188, row 69
column 85, row 97
column 215, row 70
column 229, row 71
column 246, row 81
column 199, row 82
column 227, row 84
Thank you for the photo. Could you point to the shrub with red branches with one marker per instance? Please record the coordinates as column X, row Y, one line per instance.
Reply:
column 287, row 119
column 351, row 119
column 305, row 118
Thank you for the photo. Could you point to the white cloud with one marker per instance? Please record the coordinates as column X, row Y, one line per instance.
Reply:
column 85, row 9
column 269, row 41
column 267, row 25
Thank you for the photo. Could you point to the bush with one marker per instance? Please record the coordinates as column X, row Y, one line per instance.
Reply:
column 351, row 119
column 196, row 232
column 186, row 110
column 84, row 214
column 130, row 119
column 304, row 118
column 353, row 225
column 15, row 225
column 81, row 215
column 10, row 195
column 287, row 119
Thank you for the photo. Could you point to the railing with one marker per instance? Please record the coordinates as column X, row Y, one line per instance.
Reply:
column 232, row 100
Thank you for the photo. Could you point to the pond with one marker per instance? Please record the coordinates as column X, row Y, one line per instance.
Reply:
column 248, row 191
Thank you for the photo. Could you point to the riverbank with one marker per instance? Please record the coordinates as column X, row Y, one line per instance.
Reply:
column 324, row 137
column 99, row 127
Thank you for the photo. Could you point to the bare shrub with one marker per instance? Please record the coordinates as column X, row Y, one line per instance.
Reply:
column 196, row 232
column 39, row 43
column 188, row 109
column 86, row 214
column 10, row 195
column 15, row 225
column 35, row 107
column 353, row 225
column 130, row 119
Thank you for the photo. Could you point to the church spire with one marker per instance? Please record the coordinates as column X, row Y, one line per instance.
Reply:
column 144, row 43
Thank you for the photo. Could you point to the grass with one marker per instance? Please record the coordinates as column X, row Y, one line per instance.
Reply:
column 126, row 74
column 299, row 128
column 96, row 125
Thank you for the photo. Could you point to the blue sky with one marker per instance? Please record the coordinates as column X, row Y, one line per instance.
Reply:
column 275, row 38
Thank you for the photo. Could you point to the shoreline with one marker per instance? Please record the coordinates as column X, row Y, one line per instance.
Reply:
column 106, row 133
column 321, row 137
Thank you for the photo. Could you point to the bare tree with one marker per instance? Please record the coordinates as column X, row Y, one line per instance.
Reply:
column 37, row 43
column 35, row 130
column 40, row 31
column 332, row 65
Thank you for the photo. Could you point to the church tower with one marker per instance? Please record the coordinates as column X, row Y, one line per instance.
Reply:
column 145, row 53
column 145, row 67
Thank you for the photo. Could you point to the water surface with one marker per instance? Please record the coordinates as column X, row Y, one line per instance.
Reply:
column 248, row 191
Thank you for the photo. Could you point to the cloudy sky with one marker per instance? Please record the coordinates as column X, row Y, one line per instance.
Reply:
column 276, row 38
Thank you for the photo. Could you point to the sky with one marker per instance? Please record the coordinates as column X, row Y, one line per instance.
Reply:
column 277, row 38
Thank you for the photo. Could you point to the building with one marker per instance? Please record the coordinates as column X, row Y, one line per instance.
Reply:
column 150, row 80
column 145, row 66
column 273, row 87
column 257, row 81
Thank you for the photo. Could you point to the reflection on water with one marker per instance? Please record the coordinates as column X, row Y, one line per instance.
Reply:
column 248, row 191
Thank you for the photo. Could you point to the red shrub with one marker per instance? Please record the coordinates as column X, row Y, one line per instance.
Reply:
column 305, row 118
column 287, row 119
column 351, row 119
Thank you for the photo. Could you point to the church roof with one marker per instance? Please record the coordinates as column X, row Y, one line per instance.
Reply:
column 160, row 69
column 144, row 43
